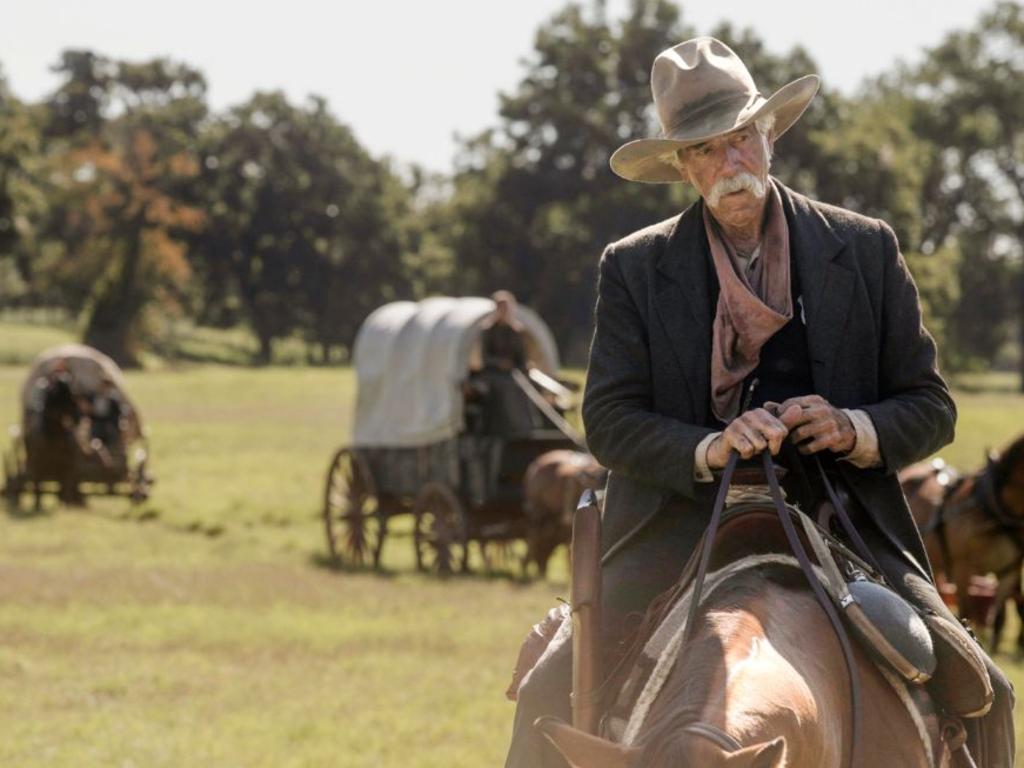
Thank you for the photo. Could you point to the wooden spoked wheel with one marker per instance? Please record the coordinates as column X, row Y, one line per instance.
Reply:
column 440, row 535
column 353, row 520
column 14, row 475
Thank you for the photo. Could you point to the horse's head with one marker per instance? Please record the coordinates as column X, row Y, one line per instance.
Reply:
column 1007, row 473
column 582, row 750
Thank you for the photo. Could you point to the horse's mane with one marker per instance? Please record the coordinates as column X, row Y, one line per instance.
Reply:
column 664, row 742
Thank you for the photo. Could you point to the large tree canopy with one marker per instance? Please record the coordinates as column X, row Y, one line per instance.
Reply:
column 120, row 171
column 534, row 200
column 305, row 229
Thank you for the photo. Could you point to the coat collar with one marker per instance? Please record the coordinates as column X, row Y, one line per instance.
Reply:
column 685, row 301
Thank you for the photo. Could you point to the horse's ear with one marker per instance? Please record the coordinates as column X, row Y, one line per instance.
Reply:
column 582, row 750
column 768, row 754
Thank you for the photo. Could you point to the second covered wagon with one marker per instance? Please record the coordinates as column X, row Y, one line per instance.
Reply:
column 440, row 434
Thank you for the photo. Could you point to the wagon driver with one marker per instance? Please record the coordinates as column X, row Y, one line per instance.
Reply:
column 755, row 281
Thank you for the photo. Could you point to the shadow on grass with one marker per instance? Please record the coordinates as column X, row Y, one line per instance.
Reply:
column 517, row 578
column 474, row 574
column 238, row 356
column 327, row 563
column 16, row 511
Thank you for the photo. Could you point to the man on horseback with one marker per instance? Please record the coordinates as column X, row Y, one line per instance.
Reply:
column 755, row 295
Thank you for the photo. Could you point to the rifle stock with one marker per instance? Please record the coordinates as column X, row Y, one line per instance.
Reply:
column 586, row 613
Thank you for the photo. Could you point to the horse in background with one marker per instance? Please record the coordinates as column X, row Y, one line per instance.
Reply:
column 760, row 685
column 972, row 526
column 552, row 485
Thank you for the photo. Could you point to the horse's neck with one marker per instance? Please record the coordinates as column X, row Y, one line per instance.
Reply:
column 738, row 677
column 767, row 666
column 765, row 695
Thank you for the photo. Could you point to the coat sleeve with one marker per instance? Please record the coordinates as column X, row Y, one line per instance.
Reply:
column 623, row 431
column 915, row 415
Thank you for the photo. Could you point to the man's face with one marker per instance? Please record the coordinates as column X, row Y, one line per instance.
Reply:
column 717, row 169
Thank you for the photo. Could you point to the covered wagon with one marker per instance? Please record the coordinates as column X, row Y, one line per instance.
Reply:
column 80, row 431
column 441, row 435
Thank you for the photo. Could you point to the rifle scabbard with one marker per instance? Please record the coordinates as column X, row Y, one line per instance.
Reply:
column 586, row 607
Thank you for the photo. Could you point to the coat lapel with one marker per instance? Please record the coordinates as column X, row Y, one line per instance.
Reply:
column 684, row 303
column 826, row 283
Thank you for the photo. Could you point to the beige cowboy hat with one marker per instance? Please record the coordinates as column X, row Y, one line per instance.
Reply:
column 702, row 90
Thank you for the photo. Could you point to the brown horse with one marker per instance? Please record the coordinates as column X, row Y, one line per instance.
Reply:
column 974, row 526
column 551, row 487
column 762, row 685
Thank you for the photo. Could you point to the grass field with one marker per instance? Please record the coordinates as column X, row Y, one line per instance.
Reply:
column 202, row 628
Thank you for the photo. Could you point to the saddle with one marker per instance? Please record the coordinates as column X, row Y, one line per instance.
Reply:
column 751, row 536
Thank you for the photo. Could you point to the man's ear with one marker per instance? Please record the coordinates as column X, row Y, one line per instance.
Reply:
column 768, row 754
column 582, row 750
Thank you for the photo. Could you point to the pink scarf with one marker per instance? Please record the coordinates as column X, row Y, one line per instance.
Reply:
column 751, row 308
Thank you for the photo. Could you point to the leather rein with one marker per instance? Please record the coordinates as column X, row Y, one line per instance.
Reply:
column 711, row 732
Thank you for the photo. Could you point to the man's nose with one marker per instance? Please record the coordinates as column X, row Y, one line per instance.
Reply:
column 733, row 157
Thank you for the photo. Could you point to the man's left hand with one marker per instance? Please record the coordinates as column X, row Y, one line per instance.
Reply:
column 819, row 427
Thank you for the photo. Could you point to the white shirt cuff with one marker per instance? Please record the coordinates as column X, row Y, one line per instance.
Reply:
column 865, row 453
column 701, row 472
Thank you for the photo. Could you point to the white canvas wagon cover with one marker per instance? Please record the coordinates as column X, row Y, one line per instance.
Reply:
column 411, row 359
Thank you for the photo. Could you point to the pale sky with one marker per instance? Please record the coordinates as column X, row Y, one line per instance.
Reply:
column 407, row 75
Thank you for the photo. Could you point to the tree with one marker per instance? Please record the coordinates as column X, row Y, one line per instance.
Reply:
column 122, row 162
column 534, row 200
column 969, row 103
column 20, row 201
column 305, row 230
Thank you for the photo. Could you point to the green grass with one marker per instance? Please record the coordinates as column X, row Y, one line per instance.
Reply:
column 25, row 333
column 201, row 628
column 21, row 340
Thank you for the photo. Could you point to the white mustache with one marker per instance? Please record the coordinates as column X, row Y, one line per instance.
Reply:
column 742, row 180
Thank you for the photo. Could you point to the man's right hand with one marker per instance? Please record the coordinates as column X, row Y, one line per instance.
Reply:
column 752, row 432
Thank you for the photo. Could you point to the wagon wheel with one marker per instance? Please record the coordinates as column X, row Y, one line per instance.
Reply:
column 11, row 478
column 352, row 517
column 139, row 483
column 441, row 539
column 14, row 476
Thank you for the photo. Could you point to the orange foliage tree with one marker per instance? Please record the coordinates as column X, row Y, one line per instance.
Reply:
column 123, row 189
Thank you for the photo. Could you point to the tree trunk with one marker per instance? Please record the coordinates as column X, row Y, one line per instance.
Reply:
column 115, row 310
column 266, row 348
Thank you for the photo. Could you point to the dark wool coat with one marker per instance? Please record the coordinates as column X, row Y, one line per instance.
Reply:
column 647, row 400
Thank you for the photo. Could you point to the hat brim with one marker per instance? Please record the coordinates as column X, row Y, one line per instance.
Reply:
column 651, row 160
